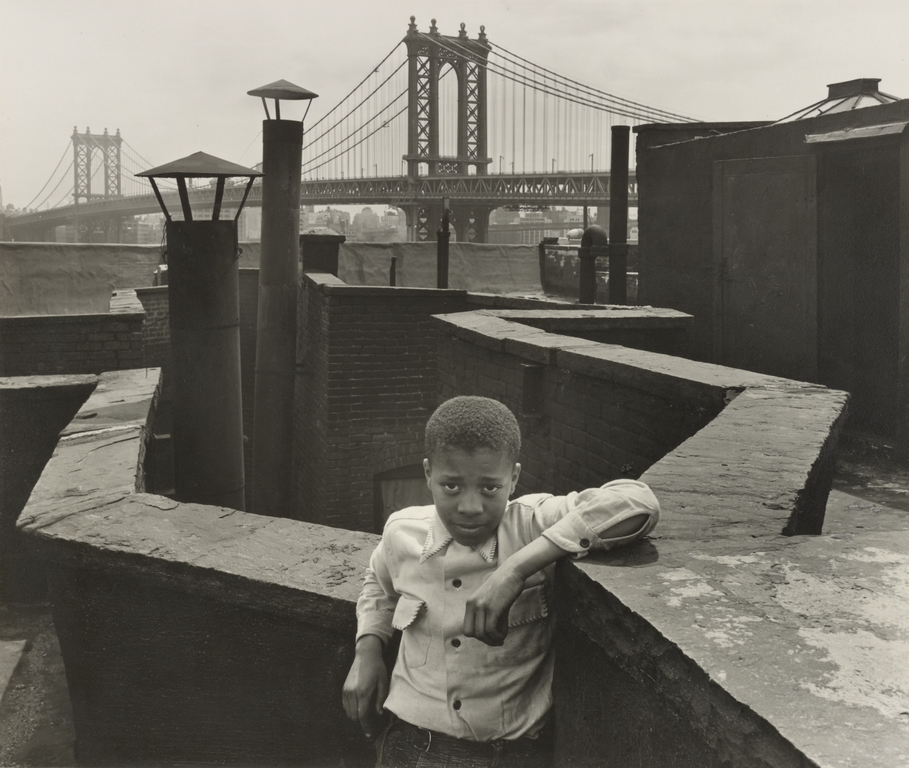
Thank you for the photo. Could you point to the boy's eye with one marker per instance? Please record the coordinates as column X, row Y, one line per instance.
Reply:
column 451, row 487
column 490, row 489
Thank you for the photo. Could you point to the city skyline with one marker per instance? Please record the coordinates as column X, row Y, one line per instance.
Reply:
column 172, row 77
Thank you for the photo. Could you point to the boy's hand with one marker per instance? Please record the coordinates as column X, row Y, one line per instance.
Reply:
column 366, row 686
column 486, row 614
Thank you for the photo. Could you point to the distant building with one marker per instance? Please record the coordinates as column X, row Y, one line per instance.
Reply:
column 365, row 220
column 339, row 221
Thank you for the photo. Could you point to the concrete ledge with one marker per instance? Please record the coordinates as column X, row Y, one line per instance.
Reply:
column 334, row 286
column 720, row 641
column 638, row 327
column 125, row 303
column 148, row 595
column 608, row 316
column 85, row 512
column 726, row 634
column 499, row 301
column 33, row 411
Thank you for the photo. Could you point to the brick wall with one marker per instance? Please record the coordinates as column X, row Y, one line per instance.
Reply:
column 155, row 329
column 54, row 344
column 369, row 377
column 596, row 422
column 366, row 385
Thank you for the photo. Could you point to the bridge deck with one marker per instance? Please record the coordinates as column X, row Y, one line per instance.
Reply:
column 512, row 189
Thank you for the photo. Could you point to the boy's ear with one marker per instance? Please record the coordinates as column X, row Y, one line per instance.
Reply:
column 515, row 474
column 427, row 471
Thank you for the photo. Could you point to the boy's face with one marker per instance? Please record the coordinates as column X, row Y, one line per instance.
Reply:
column 471, row 491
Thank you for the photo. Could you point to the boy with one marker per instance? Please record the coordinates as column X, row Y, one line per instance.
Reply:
column 468, row 582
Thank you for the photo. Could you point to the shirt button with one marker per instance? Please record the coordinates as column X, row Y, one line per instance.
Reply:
column 456, row 643
column 456, row 583
column 585, row 543
column 457, row 704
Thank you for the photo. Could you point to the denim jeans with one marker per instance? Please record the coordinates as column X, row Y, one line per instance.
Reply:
column 406, row 746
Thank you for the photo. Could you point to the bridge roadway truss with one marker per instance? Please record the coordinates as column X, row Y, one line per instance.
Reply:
column 472, row 199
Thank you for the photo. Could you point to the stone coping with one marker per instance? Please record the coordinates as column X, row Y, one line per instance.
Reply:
column 26, row 385
column 606, row 317
column 806, row 633
column 124, row 304
column 331, row 285
column 85, row 512
column 513, row 332
column 539, row 309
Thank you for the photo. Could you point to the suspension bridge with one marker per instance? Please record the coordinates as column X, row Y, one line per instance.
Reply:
column 441, row 116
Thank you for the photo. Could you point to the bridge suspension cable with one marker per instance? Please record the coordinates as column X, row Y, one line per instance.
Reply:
column 356, row 87
column 641, row 110
column 50, row 178
column 572, row 126
column 342, row 148
column 539, row 120
column 583, row 94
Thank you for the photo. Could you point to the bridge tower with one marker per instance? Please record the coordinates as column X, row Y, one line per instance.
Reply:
column 428, row 56
column 84, row 147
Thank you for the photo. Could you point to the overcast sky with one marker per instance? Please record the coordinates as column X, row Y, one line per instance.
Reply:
column 172, row 75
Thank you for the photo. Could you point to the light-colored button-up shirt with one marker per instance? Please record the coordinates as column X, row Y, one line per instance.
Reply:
column 419, row 580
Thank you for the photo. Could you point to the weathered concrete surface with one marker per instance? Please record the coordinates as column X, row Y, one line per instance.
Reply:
column 646, row 328
column 776, row 650
column 592, row 319
column 808, row 633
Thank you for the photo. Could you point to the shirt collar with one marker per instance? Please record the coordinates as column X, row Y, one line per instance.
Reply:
column 438, row 537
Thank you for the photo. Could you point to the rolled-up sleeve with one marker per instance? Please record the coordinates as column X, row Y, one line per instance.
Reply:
column 377, row 601
column 582, row 521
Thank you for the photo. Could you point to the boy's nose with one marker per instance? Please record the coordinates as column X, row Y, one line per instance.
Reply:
column 470, row 503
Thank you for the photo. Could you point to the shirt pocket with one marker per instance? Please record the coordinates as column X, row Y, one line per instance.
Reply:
column 410, row 618
column 531, row 605
column 529, row 628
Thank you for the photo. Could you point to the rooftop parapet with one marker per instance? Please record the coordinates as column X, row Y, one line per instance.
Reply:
column 196, row 633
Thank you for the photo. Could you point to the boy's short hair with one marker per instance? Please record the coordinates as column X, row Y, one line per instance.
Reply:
column 473, row 423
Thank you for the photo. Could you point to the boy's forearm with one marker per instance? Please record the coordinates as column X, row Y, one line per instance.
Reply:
column 486, row 613
column 533, row 558
column 368, row 645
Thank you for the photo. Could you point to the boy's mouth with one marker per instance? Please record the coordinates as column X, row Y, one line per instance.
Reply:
column 470, row 527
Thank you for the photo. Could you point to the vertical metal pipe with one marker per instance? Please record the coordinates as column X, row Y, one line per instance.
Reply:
column 282, row 150
column 593, row 244
column 442, row 237
column 587, row 275
column 618, row 215
column 203, row 290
